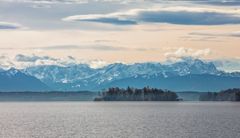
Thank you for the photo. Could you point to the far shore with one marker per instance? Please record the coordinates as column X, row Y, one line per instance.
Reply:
column 227, row 95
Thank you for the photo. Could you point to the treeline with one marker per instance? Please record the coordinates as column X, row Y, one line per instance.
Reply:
column 48, row 96
column 226, row 95
column 134, row 94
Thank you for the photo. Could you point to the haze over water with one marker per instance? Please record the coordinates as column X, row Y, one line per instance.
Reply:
column 120, row 119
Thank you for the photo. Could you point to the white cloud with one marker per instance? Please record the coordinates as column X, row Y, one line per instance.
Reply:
column 21, row 61
column 187, row 52
column 5, row 62
column 97, row 63
column 229, row 65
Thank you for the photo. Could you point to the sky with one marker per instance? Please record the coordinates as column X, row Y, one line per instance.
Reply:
column 129, row 31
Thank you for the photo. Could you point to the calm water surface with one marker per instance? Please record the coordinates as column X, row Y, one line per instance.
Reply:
column 120, row 119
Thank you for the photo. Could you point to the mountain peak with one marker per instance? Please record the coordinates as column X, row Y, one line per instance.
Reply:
column 15, row 80
column 194, row 66
column 190, row 60
column 12, row 72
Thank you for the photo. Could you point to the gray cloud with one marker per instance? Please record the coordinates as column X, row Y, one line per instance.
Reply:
column 235, row 34
column 45, row 14
column 189, row 18
column 8, row 25
column 219, row 2
column 205, row 34
column 209, row 2
column 180, row 15
column 32, row 58
column 94, row 47
column 115, row 21
column 48, row 1
column 201, row 38
column 105, row 41
column 39, row 6
column 84, row 47
column 215, row 34
column 75, row 47
column 71, row 1
column 22, row 61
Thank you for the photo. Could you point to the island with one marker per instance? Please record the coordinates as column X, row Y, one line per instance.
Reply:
column 135, row 94
column 226, row 95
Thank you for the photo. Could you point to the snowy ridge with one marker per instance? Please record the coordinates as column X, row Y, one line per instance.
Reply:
column 82, row 76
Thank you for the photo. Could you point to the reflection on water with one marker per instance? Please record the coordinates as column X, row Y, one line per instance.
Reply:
column 120, row 119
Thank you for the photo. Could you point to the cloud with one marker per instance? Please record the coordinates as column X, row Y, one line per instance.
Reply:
column 48, row 1
column 229, row 65
column 5, row 62
column 84, row 47
column 172, row 15
column 40, row 6
column 219, row 2
column 204, row 2
column 101, row 18
column 94, row 47
column 235, row 34
column 71, row 1
column 97, row 63
column 187, row 52
column 8, row 25
column 21, row 61
column 216, row 34
column 33, row 58
column 201, row 38
column 105, row 41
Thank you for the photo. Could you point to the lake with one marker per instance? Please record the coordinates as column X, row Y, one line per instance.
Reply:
column 120, row 119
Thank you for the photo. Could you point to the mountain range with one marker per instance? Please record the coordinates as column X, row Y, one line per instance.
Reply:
column 186, row 75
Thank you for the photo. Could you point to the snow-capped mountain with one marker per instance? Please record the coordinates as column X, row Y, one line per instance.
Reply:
column 188, row 74
column 15, row 80
column 62, row 78
column 193, row 66
column 82, row 77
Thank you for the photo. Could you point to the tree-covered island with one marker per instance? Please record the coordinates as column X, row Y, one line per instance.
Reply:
column 135, row 94
column 226, row 95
